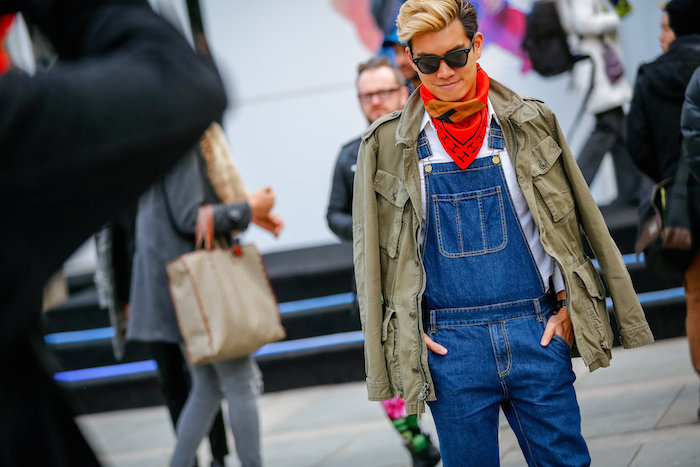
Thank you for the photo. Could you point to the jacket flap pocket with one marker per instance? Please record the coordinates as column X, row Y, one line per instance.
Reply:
column 389, row 313
column 544, row 155
column 390, row 187
column 590, row 278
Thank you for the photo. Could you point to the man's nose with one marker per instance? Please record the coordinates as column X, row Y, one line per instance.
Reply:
column 444, row 70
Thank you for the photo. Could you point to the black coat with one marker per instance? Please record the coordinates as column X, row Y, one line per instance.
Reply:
column 653, row 122
column 339, row 213
column 79, row 144
column 690, row 124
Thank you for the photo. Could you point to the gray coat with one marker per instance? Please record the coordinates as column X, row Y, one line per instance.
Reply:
column 165, row 226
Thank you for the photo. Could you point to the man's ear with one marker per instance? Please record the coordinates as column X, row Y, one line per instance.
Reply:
column 478, row 46
column 410, row 59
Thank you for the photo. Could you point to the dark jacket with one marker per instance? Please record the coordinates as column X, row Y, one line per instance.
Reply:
column 79, row 144
column 165, row 227
column 339, row 213
column 653, row 122
column 690, row 124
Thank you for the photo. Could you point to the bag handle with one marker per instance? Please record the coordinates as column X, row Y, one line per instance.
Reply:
column 205, row 227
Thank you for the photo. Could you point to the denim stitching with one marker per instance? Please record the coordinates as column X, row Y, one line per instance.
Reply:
column 493, row 348
column 508, row 352
column 543, row 297
column 504, row 386
column 503, row 216
column 522, row 431
column 484, row 242
column 459, row 225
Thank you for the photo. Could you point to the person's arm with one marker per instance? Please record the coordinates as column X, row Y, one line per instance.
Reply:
column 102, row 127
column 639, row 144
column 690, row 124
column 367, row 270
column 634, row 329
column 339, row 214
column 184, row 193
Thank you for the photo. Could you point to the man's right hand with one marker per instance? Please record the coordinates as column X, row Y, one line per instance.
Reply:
column 434, row 346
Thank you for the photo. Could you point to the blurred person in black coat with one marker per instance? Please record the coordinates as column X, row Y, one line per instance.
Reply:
column 79, row 143
column 654, row 139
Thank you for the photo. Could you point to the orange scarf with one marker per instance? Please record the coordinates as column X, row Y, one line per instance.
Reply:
column 461, row 126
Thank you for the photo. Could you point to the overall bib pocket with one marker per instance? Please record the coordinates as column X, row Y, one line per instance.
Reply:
column 470, row 223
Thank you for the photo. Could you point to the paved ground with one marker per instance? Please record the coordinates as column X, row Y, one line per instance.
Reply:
column 642, row 411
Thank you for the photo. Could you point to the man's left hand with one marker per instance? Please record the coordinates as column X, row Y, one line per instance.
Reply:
column 559, row 324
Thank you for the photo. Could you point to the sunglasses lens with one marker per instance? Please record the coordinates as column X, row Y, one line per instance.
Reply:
column 428, row 65
column 456, row 58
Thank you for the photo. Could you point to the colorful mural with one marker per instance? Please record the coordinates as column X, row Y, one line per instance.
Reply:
column 501, row 23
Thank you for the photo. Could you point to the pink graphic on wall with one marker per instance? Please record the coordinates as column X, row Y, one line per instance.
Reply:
column 506, row 29
column 358, row 13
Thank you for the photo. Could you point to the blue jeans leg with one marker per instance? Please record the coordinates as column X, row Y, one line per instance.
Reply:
column 468, row 396
column 541, row 406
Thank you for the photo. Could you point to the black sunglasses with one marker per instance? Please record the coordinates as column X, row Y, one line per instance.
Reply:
column 429, row 64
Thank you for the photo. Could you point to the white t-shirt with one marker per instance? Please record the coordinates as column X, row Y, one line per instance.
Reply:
column 545, row 263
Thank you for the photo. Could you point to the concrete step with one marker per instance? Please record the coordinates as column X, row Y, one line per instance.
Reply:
column 331, row 359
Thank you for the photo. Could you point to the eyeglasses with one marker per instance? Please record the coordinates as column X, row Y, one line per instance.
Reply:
column 429, row 64
column 366, row 98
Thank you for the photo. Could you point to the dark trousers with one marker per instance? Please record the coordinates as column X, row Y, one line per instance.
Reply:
column 608, row 135
column 175, row 384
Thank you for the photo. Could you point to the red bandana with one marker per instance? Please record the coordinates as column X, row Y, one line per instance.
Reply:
column 5, row 23
column 461, row 126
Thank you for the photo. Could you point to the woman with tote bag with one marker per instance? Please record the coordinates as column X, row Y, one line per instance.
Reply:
column 165, row 229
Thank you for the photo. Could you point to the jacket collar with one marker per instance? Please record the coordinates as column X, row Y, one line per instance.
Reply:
column 506, row 103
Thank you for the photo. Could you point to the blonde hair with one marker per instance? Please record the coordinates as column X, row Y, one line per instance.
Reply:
column 419, row 16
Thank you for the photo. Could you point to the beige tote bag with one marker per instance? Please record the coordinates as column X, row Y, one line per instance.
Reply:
column 223, row 300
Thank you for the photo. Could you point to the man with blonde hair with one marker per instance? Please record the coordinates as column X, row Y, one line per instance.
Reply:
column 473, row 284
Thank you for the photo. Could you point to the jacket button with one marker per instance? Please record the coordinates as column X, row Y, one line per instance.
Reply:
column 543, row 165
column 412, row 315
column 393, row 196
column 415, row 370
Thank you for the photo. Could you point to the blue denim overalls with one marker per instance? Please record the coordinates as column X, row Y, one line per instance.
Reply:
column 486, row 303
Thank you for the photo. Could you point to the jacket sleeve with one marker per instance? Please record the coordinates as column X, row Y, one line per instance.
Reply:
column 631, row 321
column 585, row 21
column 339, row 214
column 639, row 144
column 183, row 190
column 690, row 124
column 368, row 270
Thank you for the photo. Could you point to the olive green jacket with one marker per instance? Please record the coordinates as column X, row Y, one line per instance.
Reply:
column 389, row 270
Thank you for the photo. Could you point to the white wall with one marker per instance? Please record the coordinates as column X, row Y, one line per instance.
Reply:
column 289, row 68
